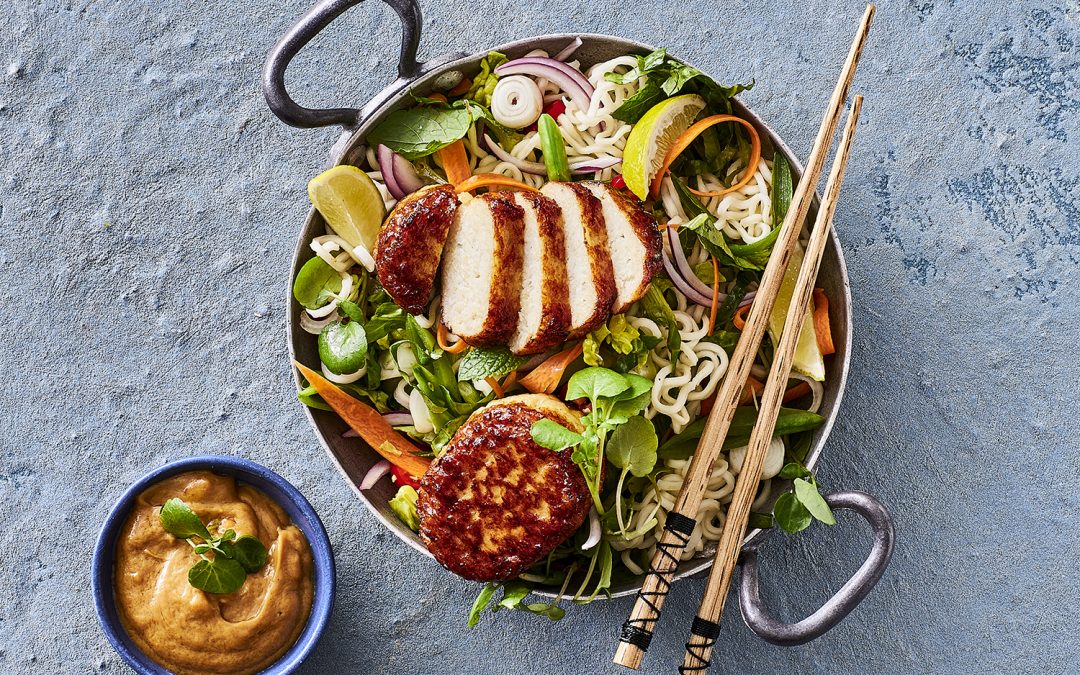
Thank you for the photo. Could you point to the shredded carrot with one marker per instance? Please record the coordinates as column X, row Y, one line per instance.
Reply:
column 442, row 336
column 436, row 96
column 752, row 388
column 740, row 317
column 461, row 88
column 495, row 386
column 695, row 130
column 715, row 295
column 368, row 424
column 544, row 379
column 707, row 405
column 455, row 163
column 798, row 391
column 509, row 381
column 490, row 180
column 821, row 323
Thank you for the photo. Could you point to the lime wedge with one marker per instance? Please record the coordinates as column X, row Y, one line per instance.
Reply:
column 808, row 359
column 652, row 137
column 350, row 203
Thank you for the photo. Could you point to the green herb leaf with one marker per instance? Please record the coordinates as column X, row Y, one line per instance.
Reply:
column 595, row 384
column 250, row 553
column 404, row 507
column 793, row 470
column 635, row 107
column 202, row 548
column 479, row 363
column 553, row 436
column 343, row 347
column 762, row 521
column 552, row 611
column 790, row 514
column 513, row 593
column 655, row 307
column 180, row 521
column 351, row 310
column 481, row 603
column 220, row 575
column 808, row 495
column 632, row 446
column 227, row 535
column 316, row 283
column 418, row 132
column 788, row 421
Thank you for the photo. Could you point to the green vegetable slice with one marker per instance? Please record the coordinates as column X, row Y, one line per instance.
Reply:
column 343, row 347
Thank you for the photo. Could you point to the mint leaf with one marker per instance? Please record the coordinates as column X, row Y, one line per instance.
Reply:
column 793, row 470
column 180, row 521
column 220, row 575
column 790, row 514
column 808, row 495
column 479, row 363
column 553, row 436
column 632, row 446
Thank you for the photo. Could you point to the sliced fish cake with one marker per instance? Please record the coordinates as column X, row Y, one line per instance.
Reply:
column 481, row 270
column 589, row 274
column 410, row 245
column 544, row 317
column 633, row 240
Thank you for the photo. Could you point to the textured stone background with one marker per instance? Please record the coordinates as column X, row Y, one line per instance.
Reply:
column 149, row 201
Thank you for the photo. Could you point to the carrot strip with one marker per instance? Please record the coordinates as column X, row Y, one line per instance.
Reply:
column 740, row 317
column 489, row 180
column 461, row 88
column 798, row 391
column 544, row 379
column 510, row 381
column 436, row 96
column 368, row 424
column 495, row 386
column 821, row 323
column 715, row 295
column 442, row 336
column 455, row 163
column 695, row 130
column 752, row 388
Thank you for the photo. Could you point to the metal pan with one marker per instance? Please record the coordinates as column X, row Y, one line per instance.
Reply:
column 353, row 458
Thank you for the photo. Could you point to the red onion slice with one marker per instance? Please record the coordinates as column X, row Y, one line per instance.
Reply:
column 594, row 165
column 380, row 469
column 571, row 81
column 398, row 173
column 539, row 169
column 398, row 419
column 686, row 289
column 685, row 270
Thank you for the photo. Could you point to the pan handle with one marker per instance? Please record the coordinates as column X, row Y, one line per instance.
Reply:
column 302, row 32
column 771, row 629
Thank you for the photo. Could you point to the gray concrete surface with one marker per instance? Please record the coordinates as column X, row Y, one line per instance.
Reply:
column 148, row 204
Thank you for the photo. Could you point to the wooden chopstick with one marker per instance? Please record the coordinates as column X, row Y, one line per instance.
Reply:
column 706, row 624
column 637, row 630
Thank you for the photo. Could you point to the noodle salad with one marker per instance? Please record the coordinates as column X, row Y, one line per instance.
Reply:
column 663, row 134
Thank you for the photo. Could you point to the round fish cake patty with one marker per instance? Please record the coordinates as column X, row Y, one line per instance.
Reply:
column 495, row 502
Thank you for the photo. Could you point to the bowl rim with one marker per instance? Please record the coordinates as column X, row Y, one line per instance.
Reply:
column 388, row 99
column 258, row 476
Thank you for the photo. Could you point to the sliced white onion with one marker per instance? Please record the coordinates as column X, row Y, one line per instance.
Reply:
column 516, row 102
column 816, row 389
column 315, row 326
column 568, row 50
column 420, row 413
column 571, row 81
column 540, row 169
column 377, row 471
column 594, row 530
column 347, row 378
column 774, row 458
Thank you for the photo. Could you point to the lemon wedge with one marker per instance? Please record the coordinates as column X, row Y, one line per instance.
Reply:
column 350, row 203
column 652, row 137
column 808, row 359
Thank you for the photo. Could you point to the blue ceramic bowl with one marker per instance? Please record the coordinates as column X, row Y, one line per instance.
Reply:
column 274, row 486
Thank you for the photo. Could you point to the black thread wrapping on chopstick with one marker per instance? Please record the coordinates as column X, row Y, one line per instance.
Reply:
column 638, row 632
column 708, row 631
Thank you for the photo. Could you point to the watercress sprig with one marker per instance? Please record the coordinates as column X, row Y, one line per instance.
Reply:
column 234, row 557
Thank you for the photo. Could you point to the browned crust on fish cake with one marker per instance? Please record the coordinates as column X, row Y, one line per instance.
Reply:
column 410, row 245
column 495, row 503
column 555, row 293
column 504, row 301
column 596, row 241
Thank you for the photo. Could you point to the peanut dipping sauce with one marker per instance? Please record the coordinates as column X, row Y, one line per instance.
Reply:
column 190, row 631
